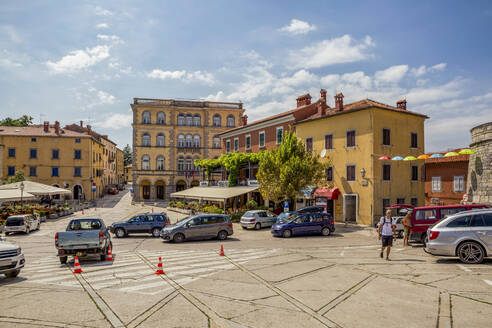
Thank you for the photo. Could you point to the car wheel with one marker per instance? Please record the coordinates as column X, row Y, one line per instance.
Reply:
column 244, row 228
column 287, row 233
column 222, row 235
column 178, row 238
column 7, row 233
column 13, row 274
column 103, row 256
column 63, row 259
column 471, row 252
column 325, row 231
column 258, row 226
column 120, row 233
column 156, row 232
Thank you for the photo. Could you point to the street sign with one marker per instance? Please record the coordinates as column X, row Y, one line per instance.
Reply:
column 286, row 205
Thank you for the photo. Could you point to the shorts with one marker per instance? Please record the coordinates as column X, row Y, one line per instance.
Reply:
column 406, row 231
column 387, row 240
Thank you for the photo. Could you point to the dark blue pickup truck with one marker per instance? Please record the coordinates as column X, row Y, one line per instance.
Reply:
column 141, row 223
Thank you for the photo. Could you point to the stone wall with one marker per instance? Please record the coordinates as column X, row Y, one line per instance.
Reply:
column 479, row 184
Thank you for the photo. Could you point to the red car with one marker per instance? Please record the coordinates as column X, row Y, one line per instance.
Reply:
column 425, row 216
column 113, row 191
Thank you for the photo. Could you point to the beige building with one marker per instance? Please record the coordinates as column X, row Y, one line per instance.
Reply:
column 120, row 166
column 168, row 135
column 128, row 173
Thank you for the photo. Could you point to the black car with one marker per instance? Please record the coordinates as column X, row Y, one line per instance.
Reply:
column 141, row 223
column 311, row 209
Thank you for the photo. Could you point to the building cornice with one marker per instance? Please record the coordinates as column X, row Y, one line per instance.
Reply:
column 260, row 125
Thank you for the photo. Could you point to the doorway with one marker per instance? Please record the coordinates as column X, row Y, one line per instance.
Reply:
column 159, row 189
column 350, row 204
column 77, row 192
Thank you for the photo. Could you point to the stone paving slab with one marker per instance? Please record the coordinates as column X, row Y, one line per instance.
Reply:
column 273, row 318
column 470, row 314
column 236, row 290
column 289, row 270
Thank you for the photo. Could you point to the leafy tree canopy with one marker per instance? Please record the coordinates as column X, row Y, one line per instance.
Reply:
column 286, row 170
column 127, row 155
column 18, row 177
column 24, row 120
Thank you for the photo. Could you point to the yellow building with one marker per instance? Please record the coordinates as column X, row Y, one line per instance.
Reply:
column 168, row 135
column 120, row 166
column 353, row 137
column 128, row 173
column 51, row 155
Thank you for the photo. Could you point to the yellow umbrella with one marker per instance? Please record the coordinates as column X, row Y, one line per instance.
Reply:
column 466, row 151
column 423, row 156
column 409, row 158
column 451, row 154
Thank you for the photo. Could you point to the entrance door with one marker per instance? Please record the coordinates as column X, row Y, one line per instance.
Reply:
column 146, row 192
column 330, row 207
column 160, row 191
column 350, row 208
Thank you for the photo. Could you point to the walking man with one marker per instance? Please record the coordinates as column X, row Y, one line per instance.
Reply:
column 386, row 233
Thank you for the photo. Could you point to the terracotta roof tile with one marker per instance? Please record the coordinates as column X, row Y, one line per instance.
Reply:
column 38, row 131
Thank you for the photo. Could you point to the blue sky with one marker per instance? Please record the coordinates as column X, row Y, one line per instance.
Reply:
column 86, row 60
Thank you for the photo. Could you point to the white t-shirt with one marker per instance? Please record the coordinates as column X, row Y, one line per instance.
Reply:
column 387, row 225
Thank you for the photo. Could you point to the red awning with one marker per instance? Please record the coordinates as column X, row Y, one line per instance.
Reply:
column 330, row 193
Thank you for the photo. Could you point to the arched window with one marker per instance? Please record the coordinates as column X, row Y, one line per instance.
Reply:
column 160, row 163
column 189, row 120
column 181, row 140
column 216, row 142
column 230, row 121
column 145, row 139
column 217, row 120
column 189, row 164
column 161, row 118
column 197, row 120
column 160, row 140
column 181, row 164
column 181, row 119
column 196, row 141
column 146, row 118
column 145, row 162
column 189, row 141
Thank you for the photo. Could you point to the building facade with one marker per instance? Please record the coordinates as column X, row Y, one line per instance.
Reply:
column 168, row 135
column 479, row 185
column 51, row 155
column 352, row 138
column 120, row 166
column 128, row 173
column 445, row 179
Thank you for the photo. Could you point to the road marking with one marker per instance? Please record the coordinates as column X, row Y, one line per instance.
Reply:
column 444, row 312
column 462, row 267
column 342, row 253
column 488, row 282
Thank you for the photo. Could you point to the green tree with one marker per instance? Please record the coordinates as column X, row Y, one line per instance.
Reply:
column 286, row 170
column 18, row 177
column 24, row 120
column 127, row 155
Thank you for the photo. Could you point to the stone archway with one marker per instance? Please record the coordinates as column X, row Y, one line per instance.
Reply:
column 77, row 192
column 145, row 190
column 180, row 185
column 160, row 190
column 195, row 183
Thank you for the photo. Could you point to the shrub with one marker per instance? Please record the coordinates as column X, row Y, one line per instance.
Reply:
column 236, row 217
column 251, row 204
column 213, row 209
column 172, row 203
column 263, row 208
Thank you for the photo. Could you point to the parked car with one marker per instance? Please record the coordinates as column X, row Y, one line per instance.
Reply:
column 303, row 224
column 206, row 226
column 257, row 219
column 21, row 223
column 113, row 191
column 11, row 258
column 121, row 186
column 285, row 216
column 425, row 216
column 467, row 235
column 311, row 209
column 141, row 223
column 83, row 236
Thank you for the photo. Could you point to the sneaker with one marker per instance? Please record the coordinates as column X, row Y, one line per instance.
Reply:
column 381, row 254
column 388, row 259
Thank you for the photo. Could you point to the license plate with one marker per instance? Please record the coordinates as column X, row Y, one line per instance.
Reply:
column 80, row 247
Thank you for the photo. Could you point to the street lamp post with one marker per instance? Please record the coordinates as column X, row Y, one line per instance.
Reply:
column 22, row 190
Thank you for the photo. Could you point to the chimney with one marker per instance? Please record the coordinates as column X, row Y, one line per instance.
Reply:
column 244, row 119
column 322, row 92
column 401, row 104
column 321, row 107
column 339, row 102
column 89, row 129
column 57, row 127
column 303, row 100
column 46, row 126
column 81, row 124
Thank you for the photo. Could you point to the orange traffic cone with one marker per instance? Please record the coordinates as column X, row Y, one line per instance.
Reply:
column 109, row 256
column 159, row 267
column 77, row 268
column 152, row 210
column 221, row 253
column 82, row 211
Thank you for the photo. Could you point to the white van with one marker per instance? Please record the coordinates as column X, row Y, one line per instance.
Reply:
column 21, row 223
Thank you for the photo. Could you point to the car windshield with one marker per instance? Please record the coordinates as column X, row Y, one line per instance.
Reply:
column 293, row 217
column 248, row 214
column 183, row 221
column 84, row 224
column 14, row 221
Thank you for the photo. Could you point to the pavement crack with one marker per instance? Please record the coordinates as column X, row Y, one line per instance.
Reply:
column 303, row 274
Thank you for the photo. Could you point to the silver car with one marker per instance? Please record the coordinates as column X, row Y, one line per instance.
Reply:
column 467, row 235
column 204, row 226
column 258, row 219
column 22, row 223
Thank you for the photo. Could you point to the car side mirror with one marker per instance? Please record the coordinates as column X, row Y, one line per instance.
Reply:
column 188, row 225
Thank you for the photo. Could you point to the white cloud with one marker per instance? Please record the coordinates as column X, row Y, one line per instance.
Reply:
column 115, row 121
column 113, row 38
column 9, row 60
column 297, row 27
column 102, row 26
column 392, row 74
column 424, row 69
column 79, row 59
column 102, row 12
column 439, row 67
column 449, row 90
column 105, row 98
column 340, row 50
column 183, row 75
